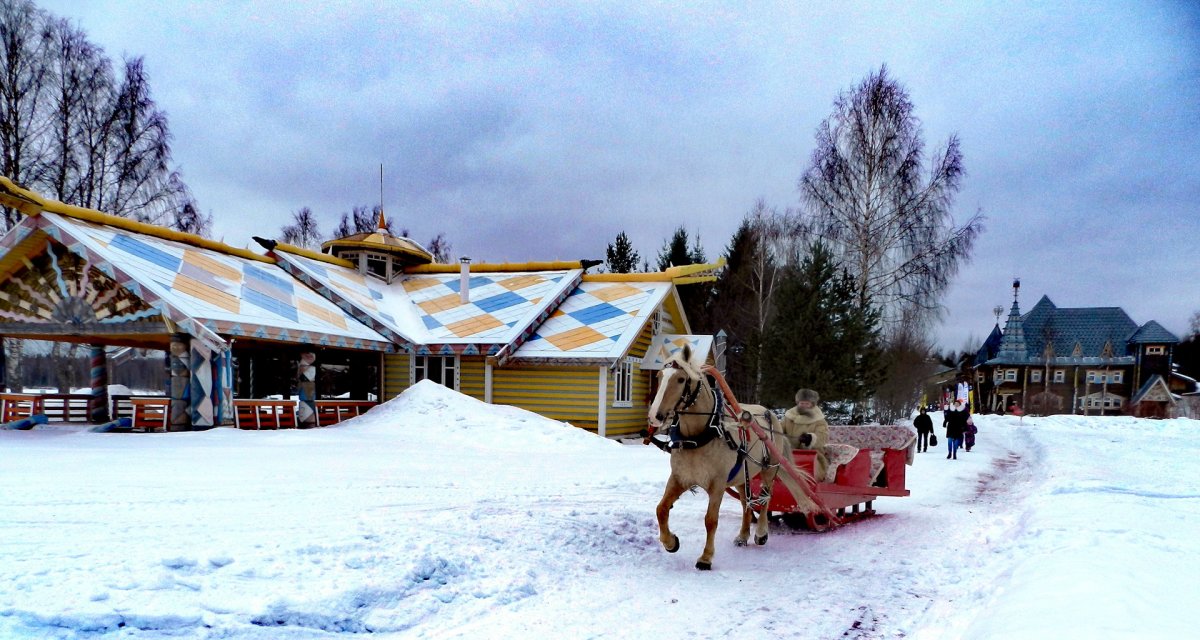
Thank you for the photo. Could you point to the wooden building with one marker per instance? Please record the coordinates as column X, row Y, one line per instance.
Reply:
column 548, row 337
column 1094, row 361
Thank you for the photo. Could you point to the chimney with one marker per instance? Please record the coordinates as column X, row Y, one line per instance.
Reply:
column 464, row 279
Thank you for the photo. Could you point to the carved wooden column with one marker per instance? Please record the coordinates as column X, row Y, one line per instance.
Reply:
column 178, row 387
column 98, row 405
column 306, row 411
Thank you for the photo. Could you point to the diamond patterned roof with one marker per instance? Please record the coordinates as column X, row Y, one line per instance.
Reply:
column 427, row 308
column 598, row 320
column 228, row 293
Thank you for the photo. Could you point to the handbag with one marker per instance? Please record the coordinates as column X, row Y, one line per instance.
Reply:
column 932, row 440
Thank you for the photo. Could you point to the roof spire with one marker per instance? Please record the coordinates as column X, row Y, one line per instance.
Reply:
column 382, row 226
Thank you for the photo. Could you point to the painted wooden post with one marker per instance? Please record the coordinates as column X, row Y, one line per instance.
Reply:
column 201, row 382
column 306, row 412
column 98, row 405
column 180, row 382
column 223, row 391
column 602, row 408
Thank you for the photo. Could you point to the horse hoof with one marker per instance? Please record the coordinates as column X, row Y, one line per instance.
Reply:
column 760, row 540
column 741, row 542
column 704, row 566
column 674, row 548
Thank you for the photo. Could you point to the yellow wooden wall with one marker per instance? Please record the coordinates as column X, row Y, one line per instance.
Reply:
column 395, row 375
column 631, row 420
column 470, row 376
column 559, row 393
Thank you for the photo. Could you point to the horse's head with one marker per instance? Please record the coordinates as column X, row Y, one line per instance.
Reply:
column 678, row 384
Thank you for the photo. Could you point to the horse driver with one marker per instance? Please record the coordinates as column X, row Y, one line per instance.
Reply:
column 806, row 428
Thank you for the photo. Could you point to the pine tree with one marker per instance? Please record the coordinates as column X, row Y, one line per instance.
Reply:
column 819, row 336
column 621, row 256
column 695, row 297
column 674, row 252
column 735, row 310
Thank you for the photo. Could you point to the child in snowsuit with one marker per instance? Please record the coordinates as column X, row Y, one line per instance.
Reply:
column 969, row 433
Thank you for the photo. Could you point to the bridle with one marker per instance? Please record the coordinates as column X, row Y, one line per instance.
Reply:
column 713, row 428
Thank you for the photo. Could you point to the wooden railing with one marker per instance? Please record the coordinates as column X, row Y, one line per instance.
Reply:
column 69, row 407
column 264, row 414
column 334, row 411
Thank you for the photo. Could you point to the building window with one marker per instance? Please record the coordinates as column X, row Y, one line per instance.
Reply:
column 998, row 376
column 1035, row 375
column 981, row 378
column 1156, row 350
column 1093, row 377
column 1060, row 375
column 623, row 383
column 441, row 369
column 377, row 264
column 1010, row 375
column 1116, row 377
column 1101, row 401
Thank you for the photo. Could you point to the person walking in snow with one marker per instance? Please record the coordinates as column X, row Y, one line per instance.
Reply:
column 924, row 425
column 955, row 423
column 806, row 428
column 969, row 432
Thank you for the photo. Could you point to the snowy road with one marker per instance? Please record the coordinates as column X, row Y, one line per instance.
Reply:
column 435, row 516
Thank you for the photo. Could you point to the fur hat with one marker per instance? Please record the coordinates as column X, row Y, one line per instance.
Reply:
column 807, row 395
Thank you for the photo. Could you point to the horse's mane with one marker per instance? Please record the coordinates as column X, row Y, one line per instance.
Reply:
column 682, row 362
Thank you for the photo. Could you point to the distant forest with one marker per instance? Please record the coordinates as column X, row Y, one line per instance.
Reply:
column 140, row 372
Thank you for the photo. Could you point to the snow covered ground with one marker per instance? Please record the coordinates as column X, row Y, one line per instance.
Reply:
column 436, row 516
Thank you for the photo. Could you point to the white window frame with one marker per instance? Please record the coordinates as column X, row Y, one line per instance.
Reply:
column 1010, row 375
column 418, row 369
column 1116, row 377
column 1093, row 377
column 623, row 383
column 1156, row 350
column 1035, row 375
column 1060, row 375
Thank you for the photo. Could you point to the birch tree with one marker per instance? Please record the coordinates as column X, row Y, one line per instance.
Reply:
column 887, row 217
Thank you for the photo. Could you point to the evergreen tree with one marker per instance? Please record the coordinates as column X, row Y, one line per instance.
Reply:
column 695, row 297
column 621, row 256
column 820, row 336
column 735, row 310
column 674, row 252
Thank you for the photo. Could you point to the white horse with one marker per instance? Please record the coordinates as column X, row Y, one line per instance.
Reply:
column 712, row 452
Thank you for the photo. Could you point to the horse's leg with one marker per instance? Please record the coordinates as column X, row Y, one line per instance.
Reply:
column 716, row 492
column 744, row 533
column 768, row 482
column 671, row 493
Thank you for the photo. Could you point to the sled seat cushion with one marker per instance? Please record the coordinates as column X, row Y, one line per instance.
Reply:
column 837, row 455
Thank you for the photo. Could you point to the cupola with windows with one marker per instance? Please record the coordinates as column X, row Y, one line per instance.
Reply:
column 379, row 253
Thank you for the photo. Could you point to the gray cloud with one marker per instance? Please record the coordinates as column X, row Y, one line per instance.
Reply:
column 533, row 131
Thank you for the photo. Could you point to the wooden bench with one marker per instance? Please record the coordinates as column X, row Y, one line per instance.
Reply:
column 150, row 414
column 334, row 411
column 14, row 406
column 264, row 414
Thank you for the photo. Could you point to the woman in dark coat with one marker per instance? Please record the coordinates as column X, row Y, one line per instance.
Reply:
column 924, row 426
column 956, row 425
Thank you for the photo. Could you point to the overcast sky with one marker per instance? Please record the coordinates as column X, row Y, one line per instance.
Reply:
column 533, row 131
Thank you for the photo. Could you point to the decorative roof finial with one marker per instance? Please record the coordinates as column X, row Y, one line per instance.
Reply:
column 382, row 226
